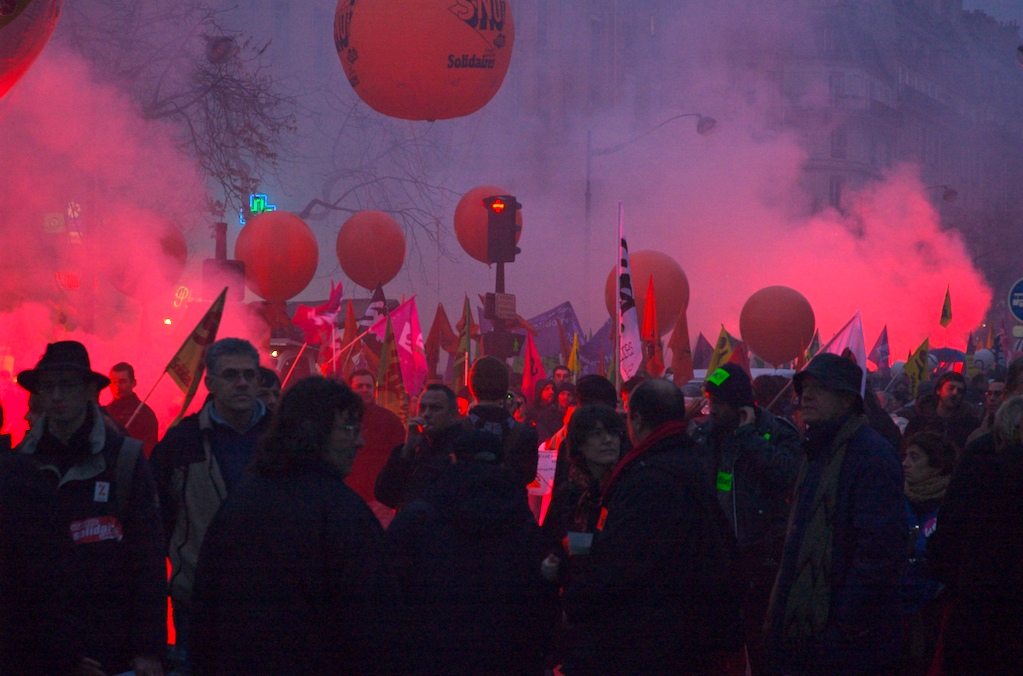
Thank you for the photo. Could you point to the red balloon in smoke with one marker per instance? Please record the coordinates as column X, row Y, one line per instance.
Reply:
column 371, row 248
column 671, row 286
column 25, row 28
column 280, row 254
column 777, row 324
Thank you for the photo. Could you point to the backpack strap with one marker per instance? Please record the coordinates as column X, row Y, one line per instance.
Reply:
column 127, row 459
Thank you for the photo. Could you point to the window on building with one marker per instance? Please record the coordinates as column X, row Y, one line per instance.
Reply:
column 836, row 87
column 838, row 144
column 835, row 191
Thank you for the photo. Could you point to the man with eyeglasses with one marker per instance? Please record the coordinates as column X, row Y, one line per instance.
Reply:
column 200, row 461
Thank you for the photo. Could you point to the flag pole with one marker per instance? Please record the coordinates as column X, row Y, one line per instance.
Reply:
column 294, row 364
column 143, row 402
column 618, row 305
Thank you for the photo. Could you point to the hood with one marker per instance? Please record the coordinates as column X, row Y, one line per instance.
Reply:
column 479, row 499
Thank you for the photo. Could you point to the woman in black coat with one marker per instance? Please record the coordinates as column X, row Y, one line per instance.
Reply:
column 291, row 577
column 977, row 552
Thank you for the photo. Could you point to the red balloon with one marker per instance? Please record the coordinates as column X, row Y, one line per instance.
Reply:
column 370, row 248
column 25, row 28
column 777, row 324
column 671, row 286
column 424, row 59
column 471, row 221
column 280, row 254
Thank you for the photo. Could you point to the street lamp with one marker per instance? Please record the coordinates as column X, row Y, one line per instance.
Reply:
column 704, row 126
column 948, row 194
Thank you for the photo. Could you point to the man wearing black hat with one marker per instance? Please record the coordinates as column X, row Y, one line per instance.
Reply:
column 107, row 507
column 835, row 607
column 753, row 459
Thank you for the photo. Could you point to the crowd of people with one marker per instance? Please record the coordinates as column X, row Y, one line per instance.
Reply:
column 803, row 526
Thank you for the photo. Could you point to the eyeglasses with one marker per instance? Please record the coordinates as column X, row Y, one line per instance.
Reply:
column 234, row 375
column 994, row 393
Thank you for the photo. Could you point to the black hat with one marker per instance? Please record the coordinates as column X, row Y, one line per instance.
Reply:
column 66, row 355
column 731, row 384
column 833, row 372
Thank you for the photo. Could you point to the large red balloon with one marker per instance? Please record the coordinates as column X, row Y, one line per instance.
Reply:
column 371, row 248
column 424, row 59
column 471, row 221
column 777, row 324
column 671, row 287
column 25, row 28
column 280, row 254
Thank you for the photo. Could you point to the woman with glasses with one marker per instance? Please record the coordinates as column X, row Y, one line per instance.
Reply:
column 290, row 576
column 595, row 436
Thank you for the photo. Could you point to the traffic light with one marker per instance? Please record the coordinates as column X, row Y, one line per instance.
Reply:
column 501, row 228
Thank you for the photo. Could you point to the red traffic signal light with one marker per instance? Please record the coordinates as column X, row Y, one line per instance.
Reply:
column 497, row 205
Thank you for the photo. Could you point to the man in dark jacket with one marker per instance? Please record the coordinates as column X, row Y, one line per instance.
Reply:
column 416, row 464
column 753, row 459
column 488, row 382
column 468, row 556
column 659, row 594
column 945, row 412
column 106, row 503
column 835, row 608
column 200, row 461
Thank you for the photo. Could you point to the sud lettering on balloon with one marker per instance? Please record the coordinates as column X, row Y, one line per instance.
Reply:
column 424, row 59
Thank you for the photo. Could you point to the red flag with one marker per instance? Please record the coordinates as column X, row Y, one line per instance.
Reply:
column 463, row 358
column 653, row 358
column 316, row 322
column 681, row 354
column 532, row 368
column 341, row 361
column 441, row 336
column 740, row 356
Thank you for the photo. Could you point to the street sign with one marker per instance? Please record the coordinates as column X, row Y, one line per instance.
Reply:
column 1016, row 300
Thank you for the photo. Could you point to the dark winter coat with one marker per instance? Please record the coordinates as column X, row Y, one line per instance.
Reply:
column 292, row 580
column 403, row 480
column 978, row 552
column 753, row 470
column 118, row 578
column 659, row 590
column 468, row 555
column 37, row 633
column 519, row 439
column 863, row 633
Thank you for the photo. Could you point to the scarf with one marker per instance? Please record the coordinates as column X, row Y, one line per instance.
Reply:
column 588, row 507
column 809, row 599
column 929, row 489
column 668, row 429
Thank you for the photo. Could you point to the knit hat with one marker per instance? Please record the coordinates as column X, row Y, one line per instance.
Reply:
column 66, row 355
column 731, row 385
